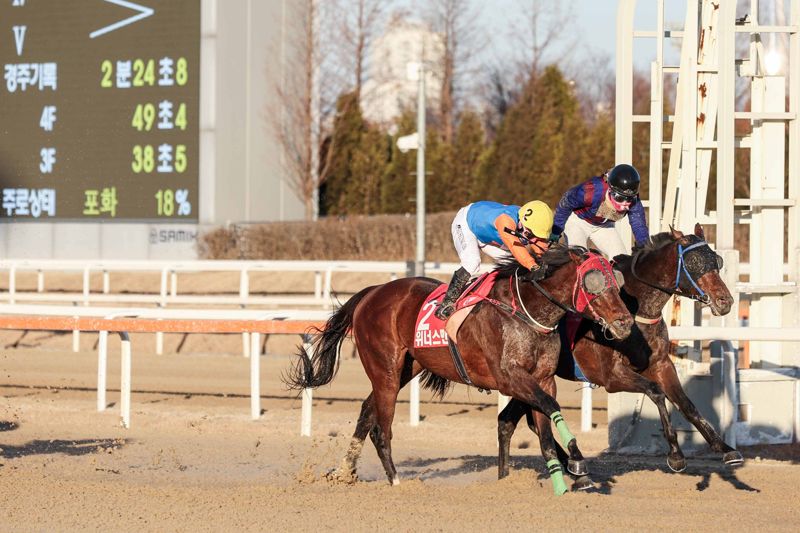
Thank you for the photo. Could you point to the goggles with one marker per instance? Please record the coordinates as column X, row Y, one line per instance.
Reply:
column 620, row 197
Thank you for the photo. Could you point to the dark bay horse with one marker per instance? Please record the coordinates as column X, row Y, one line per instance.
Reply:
column 672, row 263
column 513, row 352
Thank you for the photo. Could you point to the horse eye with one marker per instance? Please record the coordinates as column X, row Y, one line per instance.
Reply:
column 594, row 282
column 620, row 278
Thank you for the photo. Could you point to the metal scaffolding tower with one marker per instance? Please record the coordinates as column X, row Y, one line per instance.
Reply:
column 704, row 129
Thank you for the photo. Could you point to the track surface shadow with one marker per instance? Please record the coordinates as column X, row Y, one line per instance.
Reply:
column 66, row 447
column 605, row 469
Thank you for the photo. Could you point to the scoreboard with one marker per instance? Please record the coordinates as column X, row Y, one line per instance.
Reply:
column 99, row 110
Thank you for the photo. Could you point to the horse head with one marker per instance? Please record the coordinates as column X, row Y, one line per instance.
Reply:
column 685, row 266
column 594, row 288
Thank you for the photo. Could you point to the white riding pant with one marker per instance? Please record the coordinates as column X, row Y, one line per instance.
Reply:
column 607, row 240
column 468, row 246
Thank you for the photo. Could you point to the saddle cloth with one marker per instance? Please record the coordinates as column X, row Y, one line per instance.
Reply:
column 430, row 331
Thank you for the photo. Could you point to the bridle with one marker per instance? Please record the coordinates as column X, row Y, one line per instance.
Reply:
column 583, row 295
column 683, row 272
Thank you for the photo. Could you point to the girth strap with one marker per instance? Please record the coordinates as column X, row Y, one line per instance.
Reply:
column 458, row 362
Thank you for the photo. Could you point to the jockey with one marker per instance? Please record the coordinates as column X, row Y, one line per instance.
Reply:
column 597, row 204
column 499, row 231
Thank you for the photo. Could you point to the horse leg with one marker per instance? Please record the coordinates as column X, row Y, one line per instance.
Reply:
column 624, row 378
column 668, row 380
column 582, row 481
column 385, row 395
column 507, row 422
column 576, row 464
column 523, row 387
column 548, row 445
column 562, row 455
column 366, row 421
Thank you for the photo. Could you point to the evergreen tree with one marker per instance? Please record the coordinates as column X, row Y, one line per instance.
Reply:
column 469, row 148
column 348, row 127
column 537, row 153
column 398, row 189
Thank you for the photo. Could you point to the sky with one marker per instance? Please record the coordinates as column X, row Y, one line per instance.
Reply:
column 595, row 21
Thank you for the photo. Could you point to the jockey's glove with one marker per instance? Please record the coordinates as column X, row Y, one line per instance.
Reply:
column 554, row 237
column 537, row 273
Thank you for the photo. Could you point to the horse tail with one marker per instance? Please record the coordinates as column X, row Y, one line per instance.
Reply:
column 438, row 385
column 318, row 369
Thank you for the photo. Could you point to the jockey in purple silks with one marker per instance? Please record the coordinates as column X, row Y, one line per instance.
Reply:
column 597, row 204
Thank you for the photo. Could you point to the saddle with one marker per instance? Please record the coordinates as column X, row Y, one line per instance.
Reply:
column 430, row 331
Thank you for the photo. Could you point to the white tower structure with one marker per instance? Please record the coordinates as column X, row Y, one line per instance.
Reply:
column 389, row 90
column 704, row 128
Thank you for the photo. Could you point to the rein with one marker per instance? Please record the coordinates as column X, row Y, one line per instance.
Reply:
column 701, row 296
column 579, row 292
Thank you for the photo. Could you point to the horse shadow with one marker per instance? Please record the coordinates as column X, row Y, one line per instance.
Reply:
column 607, row 468
column 56, row 446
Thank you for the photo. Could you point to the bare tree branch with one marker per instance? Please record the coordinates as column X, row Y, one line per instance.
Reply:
column 300, row 118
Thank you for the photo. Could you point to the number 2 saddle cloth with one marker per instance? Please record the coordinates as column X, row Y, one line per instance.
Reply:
column 431, row 332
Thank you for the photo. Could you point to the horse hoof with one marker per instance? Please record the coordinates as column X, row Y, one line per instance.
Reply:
column 337, row 475
column 733, row 458
column 578, row 468
column 582, row 483
column 395, row 481
column 676, row 464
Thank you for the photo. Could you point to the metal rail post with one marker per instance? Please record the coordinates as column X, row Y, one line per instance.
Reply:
column 255, row 376
column 125, row 380
column 102, row 365
column 307, row 397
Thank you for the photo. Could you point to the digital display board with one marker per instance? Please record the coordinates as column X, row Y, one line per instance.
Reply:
column 99, row 109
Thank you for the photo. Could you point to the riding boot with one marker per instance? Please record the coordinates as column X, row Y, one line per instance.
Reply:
column 457, row 284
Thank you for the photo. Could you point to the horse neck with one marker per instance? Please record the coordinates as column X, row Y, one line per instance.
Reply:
column 560, row 285
column 650, row 300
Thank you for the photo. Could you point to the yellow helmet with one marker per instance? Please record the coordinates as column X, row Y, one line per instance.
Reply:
column 537, row 217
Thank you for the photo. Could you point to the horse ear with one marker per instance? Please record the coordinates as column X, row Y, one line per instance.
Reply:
column 698, row 230
column 676, row 234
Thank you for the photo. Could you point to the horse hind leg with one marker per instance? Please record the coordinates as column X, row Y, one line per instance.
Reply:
column 507, row 422
column 385, row 401
column 366, row 421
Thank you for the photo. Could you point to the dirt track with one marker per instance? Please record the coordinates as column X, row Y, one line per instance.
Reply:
column 193, row 460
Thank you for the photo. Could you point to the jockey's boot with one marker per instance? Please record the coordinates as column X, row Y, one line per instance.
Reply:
column 460, row 279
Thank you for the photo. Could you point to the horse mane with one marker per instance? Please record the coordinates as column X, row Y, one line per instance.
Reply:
column 654, row 244
column 554, row 258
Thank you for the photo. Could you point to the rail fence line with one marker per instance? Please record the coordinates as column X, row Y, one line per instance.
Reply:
column 255, row 323
column 169, row 270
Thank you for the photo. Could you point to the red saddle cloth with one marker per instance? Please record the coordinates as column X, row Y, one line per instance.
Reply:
column 430, row 330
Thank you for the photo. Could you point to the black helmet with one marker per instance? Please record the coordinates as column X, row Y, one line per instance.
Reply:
column 624, row 180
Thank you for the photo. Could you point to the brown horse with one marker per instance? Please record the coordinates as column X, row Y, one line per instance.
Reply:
column 512, row 352
column 672, row 263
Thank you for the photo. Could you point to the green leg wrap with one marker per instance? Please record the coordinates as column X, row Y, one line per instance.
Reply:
column 563, row 430
column 556, row 476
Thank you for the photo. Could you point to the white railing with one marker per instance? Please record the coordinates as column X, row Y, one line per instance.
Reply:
column 167, row 291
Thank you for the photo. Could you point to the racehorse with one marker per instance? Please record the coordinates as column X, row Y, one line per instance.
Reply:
column 670, row 264
column 502, row 347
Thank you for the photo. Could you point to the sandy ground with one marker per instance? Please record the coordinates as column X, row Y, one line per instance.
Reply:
column 194, row 461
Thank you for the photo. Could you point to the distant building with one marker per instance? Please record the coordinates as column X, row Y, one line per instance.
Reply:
column 388, row 90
